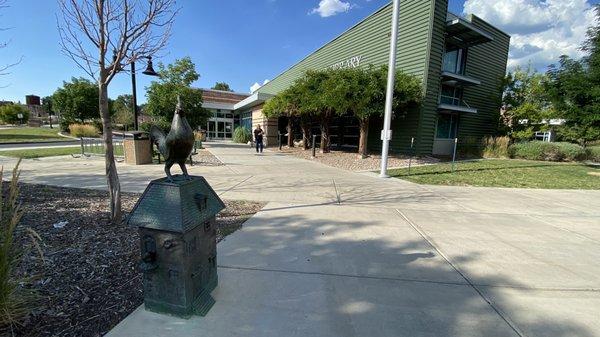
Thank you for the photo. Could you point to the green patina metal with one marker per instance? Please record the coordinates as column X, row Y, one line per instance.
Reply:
column 176, row 222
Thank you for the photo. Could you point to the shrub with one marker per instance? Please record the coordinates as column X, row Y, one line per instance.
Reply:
column 9, row 114
column 545, row 151
column 496, row 147
column 83, row 130
column 241, row 135
column 594, row 154
column 16, row 301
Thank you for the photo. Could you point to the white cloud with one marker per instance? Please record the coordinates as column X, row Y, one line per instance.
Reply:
column 541, row 31
column 331, row 7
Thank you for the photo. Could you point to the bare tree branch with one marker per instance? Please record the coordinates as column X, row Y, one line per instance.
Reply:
column 4, row 68
column 129, row 29
column 104, row 36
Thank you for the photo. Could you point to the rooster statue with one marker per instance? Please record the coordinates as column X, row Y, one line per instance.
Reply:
column 178, row 144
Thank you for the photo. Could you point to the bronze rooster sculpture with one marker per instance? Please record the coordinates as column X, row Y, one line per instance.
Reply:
column 177, row 145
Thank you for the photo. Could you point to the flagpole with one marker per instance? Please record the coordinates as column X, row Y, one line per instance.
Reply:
column 386, row 133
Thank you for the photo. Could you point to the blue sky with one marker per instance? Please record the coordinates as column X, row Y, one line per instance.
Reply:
column 242, row 42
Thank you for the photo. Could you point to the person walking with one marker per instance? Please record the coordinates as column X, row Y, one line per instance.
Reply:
column 258, row 138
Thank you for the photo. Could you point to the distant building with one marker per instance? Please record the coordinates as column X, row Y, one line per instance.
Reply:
column 223, row 120
column 33, row 100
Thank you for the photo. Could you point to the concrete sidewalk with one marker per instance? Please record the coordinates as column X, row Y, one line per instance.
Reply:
column 337, row 253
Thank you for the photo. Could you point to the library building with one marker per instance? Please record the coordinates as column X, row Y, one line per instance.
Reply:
column 459, row 60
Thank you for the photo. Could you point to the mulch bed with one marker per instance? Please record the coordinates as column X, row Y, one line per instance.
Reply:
column 88, row 279
column 203, row 157
column 350, row 160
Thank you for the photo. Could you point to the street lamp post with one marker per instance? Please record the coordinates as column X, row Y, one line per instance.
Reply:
column 150, row 72
column 386, row 134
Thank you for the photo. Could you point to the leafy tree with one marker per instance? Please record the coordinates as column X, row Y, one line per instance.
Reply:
column 47, row 105
column 575, row 91
column 319, row 100
column 408, row 93
column 10, row 114
column 288, row 103
column 122, row 110
column 176, row 79
column 76, row 101
column 526, row 103
column 574, row 88
column 222, row 86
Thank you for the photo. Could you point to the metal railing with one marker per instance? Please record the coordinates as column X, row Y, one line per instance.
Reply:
column 95, row 147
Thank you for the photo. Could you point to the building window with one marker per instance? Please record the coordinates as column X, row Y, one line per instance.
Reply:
column 455, row 61
column 451, row 95
column 247, row 120
column 446, row 126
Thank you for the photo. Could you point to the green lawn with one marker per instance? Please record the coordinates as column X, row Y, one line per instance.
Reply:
column 506, row 173
column 57, row 151
column 26, row 134
column 38, row 153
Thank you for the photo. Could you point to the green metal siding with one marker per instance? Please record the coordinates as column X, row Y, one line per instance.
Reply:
column 370, row 39
column 422, row 26
column 428, row 116
column 487, row 63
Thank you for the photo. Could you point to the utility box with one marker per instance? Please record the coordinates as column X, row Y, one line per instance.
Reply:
column 178, row 239
column 138, row 149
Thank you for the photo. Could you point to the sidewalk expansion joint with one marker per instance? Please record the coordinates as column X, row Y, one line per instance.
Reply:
column 236, row 185
column 367, row 277
column 539, row 218
column 475, row 287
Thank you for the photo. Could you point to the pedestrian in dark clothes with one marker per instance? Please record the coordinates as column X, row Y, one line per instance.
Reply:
column 258, row 139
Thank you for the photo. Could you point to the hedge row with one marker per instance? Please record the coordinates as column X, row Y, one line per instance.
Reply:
column 545, row 151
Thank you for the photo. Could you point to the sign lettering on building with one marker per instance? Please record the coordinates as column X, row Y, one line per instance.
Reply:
column 353, row 62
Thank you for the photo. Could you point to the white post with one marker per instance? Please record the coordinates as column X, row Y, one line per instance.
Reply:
column 386, row 134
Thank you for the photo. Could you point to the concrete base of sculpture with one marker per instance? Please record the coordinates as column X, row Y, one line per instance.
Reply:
column 177, row 229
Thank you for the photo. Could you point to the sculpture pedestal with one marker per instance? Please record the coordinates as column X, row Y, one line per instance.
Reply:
column 176, row 222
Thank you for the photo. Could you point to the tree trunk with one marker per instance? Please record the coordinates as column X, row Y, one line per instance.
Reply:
column 306, row 139
column 325, row 121
column 364, row 135
column 290, row 139
column 114, row 188
column 341, row 132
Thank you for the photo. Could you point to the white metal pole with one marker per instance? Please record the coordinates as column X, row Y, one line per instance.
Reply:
column 386, row 134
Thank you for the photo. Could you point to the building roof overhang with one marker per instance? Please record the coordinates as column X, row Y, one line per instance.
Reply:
column 456, row 108
column 461, row 32
column 218, row 105
column 457, row 79
column 251, row 101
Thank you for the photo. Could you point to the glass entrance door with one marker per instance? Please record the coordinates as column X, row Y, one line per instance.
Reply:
column 220, row 128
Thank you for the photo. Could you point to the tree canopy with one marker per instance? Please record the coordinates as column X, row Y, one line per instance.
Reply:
column 356, row 91
column 526, row 103
column 77, row 100
column 222, row 86
column 10, row 114
column 122, row 110
column 176, row 79
column 574, row 89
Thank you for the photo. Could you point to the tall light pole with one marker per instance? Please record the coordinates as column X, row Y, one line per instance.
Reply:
column 150, row 72
column 386, row 134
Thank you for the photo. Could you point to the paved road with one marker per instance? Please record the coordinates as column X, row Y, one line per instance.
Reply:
column 336, row 253
column 20, row 146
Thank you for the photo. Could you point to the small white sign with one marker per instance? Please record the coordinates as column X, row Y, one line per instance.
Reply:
column 389, row 135
column 20, row 116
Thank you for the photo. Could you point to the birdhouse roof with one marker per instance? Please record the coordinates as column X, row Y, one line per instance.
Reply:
column 177, row 206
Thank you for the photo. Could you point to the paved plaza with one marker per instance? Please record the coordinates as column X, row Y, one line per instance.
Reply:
column 336, row 253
